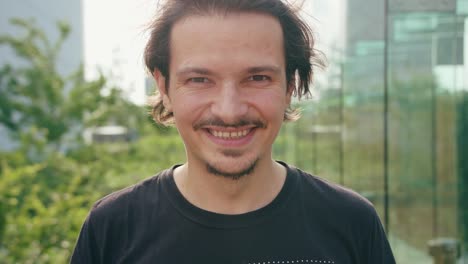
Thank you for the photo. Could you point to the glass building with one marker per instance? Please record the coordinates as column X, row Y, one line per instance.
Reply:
column 391, row 119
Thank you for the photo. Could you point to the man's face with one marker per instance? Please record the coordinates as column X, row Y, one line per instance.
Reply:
column 227, row 89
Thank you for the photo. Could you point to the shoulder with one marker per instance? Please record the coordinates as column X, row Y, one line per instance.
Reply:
column 334, row 200
column 344, row 215
column 116, row 219
column 130, row 199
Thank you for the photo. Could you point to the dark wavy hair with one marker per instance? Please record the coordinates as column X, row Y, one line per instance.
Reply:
column 300, row 55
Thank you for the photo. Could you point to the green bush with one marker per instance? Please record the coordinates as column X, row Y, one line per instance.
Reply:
column 43, row 206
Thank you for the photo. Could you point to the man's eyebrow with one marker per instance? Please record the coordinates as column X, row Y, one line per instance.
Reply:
column 188, row 70
column 266, row 68
column 205, row 71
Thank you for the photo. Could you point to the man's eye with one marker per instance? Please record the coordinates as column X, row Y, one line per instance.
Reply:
column 198, row 80
column 259, row 78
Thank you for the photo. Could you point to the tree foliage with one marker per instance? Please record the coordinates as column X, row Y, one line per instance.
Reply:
column 44, row 108
column 48, row 183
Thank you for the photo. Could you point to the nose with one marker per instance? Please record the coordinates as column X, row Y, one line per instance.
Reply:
column 229, row 105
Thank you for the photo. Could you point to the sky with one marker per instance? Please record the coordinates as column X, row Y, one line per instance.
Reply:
column 114, row 39
column 115, row 36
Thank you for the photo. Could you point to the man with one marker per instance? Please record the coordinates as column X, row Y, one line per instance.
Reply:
column 226, row 71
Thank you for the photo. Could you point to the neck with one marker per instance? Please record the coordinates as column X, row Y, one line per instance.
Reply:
column 231, row 196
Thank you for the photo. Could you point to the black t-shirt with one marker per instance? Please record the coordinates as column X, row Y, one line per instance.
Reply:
column 310, row 221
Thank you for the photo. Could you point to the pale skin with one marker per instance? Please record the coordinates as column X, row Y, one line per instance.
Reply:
column 225, row 69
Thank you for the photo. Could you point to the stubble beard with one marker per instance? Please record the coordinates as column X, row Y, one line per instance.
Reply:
column 212, row 169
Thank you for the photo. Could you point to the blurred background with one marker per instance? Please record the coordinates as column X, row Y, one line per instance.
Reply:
column 388, row 118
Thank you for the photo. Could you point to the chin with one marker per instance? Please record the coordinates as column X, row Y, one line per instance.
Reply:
column 226, row 171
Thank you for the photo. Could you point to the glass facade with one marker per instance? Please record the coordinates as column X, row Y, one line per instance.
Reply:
column 391, row 120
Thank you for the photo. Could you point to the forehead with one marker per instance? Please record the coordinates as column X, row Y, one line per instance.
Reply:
column 234, row 39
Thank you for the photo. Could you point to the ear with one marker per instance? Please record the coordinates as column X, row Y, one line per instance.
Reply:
column 163, row 90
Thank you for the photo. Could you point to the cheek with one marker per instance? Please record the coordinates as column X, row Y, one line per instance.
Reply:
column 187, row 107
column 270, row 103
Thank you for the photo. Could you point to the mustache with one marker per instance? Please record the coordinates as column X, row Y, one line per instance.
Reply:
column 220, row 123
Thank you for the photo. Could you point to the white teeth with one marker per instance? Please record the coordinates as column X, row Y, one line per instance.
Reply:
column 229, row 135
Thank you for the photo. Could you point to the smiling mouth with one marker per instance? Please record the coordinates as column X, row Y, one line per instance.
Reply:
column 230, row 134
